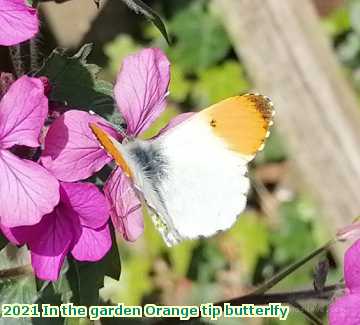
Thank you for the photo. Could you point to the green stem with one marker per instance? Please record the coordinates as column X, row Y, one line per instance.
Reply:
column 283, row 297
column 15, row 55
column 290, row 298
column 291, row 268
column 311, row 317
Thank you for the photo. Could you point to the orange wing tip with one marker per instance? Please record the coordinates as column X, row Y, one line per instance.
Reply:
column 263, row 104
column 242, row 121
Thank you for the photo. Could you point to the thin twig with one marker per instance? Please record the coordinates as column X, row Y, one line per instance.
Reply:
column 263, row 299
column 312, row 318
column 15, row 55
column 282, row 297
column 34, row 55
column 291, row 268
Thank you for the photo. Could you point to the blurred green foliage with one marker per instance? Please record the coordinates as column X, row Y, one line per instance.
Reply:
column 201, row 40
column 343, row 25
column 76, row 81
column 204, row 70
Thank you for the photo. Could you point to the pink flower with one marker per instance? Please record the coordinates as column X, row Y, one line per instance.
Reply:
column 27, row 190
column 78, row 225
column 140, row 92
column 71, row 151
column 18, row 22
column 345, row 310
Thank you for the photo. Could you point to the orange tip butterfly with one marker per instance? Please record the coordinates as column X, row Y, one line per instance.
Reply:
column 194, row 176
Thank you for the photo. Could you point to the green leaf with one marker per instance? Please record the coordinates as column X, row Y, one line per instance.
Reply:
column 3, row 242
column 48, row 295
column 201, row 39
column 249, row 240
column 180, row 86
column 349, row 50
column 74, row 82
column 140, row 7
column 85, row 279
column 17, row 291
column 62, row 287
column 337, row 22
column 219, row 82
column 135, row 280
column 180, row 256
column 205, row 291
column 206, row 261
column 117, row 50
column 295, row 235
column 14, row 257
column 354, row 12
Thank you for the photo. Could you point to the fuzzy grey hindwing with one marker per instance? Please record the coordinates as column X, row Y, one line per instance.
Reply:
column 153, row 164
column 155, row 169
column 151, row 161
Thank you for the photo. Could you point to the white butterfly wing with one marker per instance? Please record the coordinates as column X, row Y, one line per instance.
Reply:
column 205, row 184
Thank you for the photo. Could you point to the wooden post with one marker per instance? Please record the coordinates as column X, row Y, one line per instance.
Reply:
column 289, row 58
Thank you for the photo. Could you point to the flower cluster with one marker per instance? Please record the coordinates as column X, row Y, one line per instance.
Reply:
column 50, row 216
column 45, row 201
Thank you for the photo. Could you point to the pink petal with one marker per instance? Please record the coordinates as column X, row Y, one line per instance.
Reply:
column 93, row 244
column 141, row 88
column 50, row 243
column 125, row 210
column 18, row 22
column 345, row 310
column 351, row 231
column 27, row 191
column 352, row 267
column 71, row 150
column 12, row 235
column 86, row 200
column 23, row 111
column 175, row 121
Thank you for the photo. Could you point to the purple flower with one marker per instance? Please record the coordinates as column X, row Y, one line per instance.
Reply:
column 18, row 22
column 71, row 151
column 27, row 190
column 52, row 220
column 78, row 225
column 345, row 310
column 140, row 92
